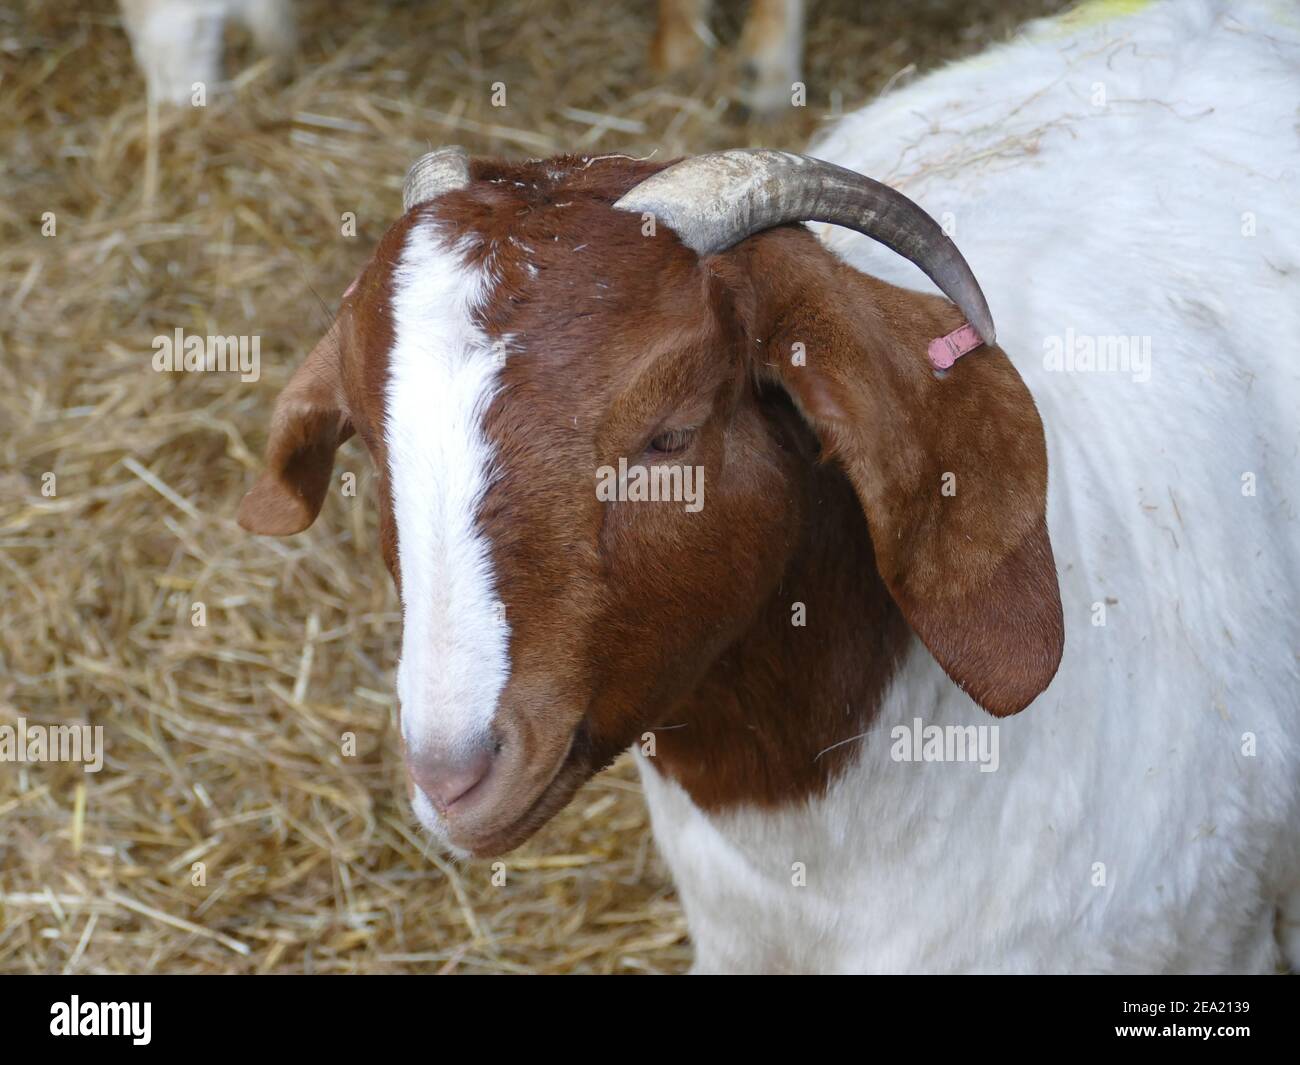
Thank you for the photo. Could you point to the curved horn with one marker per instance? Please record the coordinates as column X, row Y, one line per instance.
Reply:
column 714, row 201
column 433, row 174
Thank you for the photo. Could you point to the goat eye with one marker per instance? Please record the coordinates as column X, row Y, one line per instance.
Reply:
column 671, row 441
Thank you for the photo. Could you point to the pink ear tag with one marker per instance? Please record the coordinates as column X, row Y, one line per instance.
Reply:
column 946, row 350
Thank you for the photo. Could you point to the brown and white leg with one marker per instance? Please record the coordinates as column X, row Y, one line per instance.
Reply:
column 771, row 53
column 682, row 36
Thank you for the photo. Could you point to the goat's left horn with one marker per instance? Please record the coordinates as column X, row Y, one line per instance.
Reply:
column 435, row 173
column 715, row 201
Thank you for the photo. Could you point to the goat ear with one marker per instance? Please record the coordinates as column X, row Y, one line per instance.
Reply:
column 950, row 469
column 307, row 427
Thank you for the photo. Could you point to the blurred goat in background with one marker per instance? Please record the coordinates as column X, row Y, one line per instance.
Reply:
column 771, row 47
column 178, row 43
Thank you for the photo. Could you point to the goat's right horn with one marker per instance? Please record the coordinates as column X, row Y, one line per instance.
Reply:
column 435, row 173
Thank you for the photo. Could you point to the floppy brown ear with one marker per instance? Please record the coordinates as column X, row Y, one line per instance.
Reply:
column 951, row 468
column 307, row 427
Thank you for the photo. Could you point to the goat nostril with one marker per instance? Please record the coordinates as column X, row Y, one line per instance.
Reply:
column 446, row 778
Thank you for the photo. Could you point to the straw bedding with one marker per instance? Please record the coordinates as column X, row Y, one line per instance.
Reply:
column 224, row 740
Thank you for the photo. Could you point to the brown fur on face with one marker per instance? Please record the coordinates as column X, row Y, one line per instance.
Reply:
column 822, row 487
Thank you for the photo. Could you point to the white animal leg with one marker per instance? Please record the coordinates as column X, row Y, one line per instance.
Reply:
column 177, row 43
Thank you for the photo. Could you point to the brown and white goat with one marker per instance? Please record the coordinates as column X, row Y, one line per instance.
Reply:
column 782, row 658
column 528, row 324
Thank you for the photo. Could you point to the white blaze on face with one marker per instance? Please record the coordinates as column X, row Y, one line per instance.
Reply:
column 442, row 375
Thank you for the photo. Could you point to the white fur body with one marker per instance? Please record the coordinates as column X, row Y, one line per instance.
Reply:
column 1169, row 212
column 442, row 374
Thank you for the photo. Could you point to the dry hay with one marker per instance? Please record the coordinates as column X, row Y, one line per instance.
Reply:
column 223, row 741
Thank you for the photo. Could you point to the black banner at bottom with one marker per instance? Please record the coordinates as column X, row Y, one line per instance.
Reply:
column 338, row 1014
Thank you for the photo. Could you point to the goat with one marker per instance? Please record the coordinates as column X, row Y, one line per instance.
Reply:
column 878, row 554
column 178, row 43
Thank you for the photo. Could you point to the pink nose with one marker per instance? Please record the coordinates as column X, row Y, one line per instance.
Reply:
column 445, row 778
